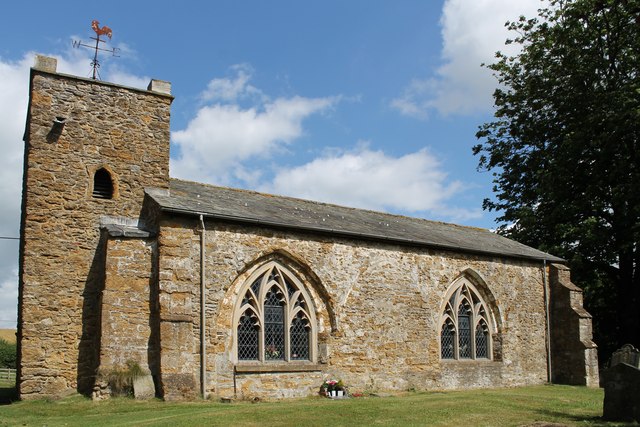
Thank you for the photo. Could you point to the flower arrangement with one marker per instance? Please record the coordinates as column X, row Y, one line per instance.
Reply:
column 333, row 388
column 272, row 352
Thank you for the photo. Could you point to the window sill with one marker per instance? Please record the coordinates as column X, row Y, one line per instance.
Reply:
column 277, row 367
column 466, row 361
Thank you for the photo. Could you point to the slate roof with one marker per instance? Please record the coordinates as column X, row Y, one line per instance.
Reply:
column 242, row 206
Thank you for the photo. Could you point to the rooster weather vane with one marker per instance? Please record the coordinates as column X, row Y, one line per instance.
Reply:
column 104, row 31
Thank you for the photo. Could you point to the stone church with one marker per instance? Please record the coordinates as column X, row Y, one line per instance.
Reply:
column 220, row 292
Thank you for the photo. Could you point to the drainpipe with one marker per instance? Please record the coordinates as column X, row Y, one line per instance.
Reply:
column 203, row 350
column 548, row 318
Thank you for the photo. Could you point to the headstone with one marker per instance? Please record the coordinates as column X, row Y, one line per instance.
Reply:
column 143, row 387
column 622, row 386
column 626, row 354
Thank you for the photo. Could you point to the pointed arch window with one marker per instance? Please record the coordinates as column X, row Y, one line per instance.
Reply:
column 275, row 321
column 465, row 325
column 102, row 184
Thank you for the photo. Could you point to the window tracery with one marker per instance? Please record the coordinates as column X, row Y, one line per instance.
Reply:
column 275, row 320
column 465, row 330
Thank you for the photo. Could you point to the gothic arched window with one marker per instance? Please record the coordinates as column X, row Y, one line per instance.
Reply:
column 275, row 320
column 465, row 330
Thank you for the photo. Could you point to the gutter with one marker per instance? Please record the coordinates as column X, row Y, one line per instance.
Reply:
column 203, row 349
column 548, row 319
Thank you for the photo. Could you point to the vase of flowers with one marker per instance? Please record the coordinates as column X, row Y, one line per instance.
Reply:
column 271, row 352
column 333, row 388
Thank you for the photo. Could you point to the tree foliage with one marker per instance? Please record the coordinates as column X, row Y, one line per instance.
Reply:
column 564, row 150
column 8, row 354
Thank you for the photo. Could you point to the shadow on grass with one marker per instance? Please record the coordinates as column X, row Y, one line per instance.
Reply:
column 8, row 395
column 586, row 420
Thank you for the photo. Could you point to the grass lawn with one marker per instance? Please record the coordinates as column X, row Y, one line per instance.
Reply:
column 495, row 407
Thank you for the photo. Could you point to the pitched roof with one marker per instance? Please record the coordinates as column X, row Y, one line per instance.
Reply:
column 190, row 198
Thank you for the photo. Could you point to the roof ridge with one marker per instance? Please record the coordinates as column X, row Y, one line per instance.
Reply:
column 299, row 199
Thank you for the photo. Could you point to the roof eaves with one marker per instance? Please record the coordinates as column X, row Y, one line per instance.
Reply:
column 347, row 233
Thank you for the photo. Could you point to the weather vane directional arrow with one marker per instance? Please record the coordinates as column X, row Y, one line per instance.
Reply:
column 104, row 31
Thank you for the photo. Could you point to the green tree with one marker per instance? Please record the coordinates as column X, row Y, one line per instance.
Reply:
column 8, row 354
column 564, row 150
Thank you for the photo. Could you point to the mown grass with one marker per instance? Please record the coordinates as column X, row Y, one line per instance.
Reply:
column 495, row 407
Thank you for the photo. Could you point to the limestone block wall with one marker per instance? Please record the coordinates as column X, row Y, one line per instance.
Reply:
column 123, row 130
column 378, row 308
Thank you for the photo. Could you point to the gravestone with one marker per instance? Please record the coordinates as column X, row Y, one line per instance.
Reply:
column 622, row 386
column 143, row 387
column 626, row 354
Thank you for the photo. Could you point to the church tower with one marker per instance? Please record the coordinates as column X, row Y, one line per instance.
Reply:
column 91, row 148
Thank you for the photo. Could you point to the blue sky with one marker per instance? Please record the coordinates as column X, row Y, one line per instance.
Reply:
column 370, row 104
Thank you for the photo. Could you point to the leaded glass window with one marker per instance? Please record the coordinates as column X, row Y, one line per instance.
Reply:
column 465, row 331
column 273, row 327
column 447, row 340
column 247, row 338
column 300, row 338
column 482, row 340
column 276, row 322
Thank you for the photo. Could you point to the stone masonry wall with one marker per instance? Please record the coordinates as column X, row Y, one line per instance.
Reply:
column 574, row 356
column 123, row 130
column 129, row 307
column 179, row 288
column 378, row 306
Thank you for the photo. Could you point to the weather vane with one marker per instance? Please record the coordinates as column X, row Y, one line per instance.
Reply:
column 104, row 31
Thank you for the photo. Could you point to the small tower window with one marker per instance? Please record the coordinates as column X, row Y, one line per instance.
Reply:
column 102, row 184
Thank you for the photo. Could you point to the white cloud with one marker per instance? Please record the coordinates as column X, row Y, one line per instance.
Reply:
column 364, row 178
column 14, row 83
column 472, row 31
column 223, row 135
column 118, row 76
column 9, row 297
column 224, row 141
column 232, row 89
